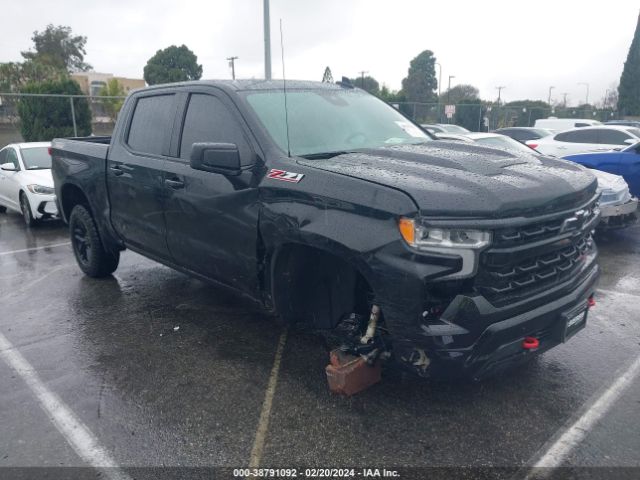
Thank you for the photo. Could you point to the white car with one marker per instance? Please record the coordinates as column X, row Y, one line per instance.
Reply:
column 26, row 184
column 586, row 139
column 560, row 124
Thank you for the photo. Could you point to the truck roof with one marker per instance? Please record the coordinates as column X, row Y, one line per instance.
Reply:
column 254, row 84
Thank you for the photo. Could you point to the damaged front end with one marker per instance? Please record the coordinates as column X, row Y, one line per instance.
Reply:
column 468, row 298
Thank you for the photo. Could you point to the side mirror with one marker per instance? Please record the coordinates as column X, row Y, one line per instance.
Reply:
column 9, row 167
column 215, row 157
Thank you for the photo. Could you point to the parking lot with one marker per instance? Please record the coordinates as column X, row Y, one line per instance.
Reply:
column 163, row 370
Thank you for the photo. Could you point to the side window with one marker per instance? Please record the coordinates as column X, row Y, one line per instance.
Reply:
column 577, row 136
column 151, row 124
column 209, row 120
column 612, row 137
column 3, row 156
column 12, row 157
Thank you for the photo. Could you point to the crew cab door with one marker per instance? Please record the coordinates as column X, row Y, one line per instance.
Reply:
column 212, row 218
column 135, row 173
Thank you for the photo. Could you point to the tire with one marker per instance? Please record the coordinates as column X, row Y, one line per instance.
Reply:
column 90, row 254
column 25, row 208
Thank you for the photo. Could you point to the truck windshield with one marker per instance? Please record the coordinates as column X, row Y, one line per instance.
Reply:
column 328, row 121
column 36, row 158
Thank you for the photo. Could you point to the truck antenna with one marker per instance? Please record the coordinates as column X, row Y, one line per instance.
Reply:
column 284, row 89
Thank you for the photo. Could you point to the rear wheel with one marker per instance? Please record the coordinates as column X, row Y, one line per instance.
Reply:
column 91, row 256
column 25, row 207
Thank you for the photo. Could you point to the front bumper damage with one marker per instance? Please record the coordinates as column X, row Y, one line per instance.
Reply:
column 476, row 327
column 618, row 215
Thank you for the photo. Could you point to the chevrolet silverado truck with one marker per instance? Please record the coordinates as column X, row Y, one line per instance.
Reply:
column 324, row 205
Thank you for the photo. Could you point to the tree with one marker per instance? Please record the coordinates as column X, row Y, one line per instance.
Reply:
column 420, row 83
column 173, row 64
column 58, row 48
column 391, row 96
column 112, row 105
column 44, row 118
column 367, row 83
column 629, row 89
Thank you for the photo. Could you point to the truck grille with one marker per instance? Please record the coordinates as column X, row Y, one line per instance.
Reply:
column 525, row 260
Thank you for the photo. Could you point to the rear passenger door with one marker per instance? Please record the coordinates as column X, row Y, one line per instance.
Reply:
column 135, row 173
column 576, row 141
column 212, row 218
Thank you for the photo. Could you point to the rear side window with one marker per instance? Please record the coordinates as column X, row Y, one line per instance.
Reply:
column 612, row 137
column 209, row 120
column 577, row 136
column 151, row 124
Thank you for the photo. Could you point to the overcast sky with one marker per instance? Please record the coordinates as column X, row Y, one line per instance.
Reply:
column 525, row 46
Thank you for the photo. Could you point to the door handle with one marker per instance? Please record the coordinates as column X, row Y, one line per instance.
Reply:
column 117, row 171
column 175, row 184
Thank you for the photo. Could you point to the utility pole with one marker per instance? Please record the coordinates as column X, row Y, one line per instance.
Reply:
column 439, row 80
column 549, row 100
column 362, row 73
column 232, row 64
column 586, row 102
column 449, row 89
column 564, row 102
column 500, row 88
column 267, row 41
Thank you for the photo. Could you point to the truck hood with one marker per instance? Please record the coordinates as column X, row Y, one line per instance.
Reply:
column 467, row 180
column 36, row 177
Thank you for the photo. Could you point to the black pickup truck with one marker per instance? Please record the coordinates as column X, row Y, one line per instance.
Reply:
column 327, row 206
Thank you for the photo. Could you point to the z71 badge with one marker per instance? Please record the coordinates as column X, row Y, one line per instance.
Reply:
column 285, row 176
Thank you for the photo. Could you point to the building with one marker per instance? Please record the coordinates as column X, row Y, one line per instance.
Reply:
column 91, row 82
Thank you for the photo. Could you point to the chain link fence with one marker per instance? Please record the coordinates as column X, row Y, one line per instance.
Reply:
column 71, row 118
column 482, row 117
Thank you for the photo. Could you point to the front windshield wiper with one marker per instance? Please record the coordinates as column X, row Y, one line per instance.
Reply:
column 325, row 155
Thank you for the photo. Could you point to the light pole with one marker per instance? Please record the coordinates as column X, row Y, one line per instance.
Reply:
column 362, row 72
column 586, row 102
column 549, row 100
column 232, row 64
column 605, row 104
column 500, row 88
column 267, row 41
column 439, row 80
column 564, row 102
column 449, row 89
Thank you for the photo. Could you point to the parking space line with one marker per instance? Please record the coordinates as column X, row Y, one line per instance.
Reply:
column 33, row 249
column 71, row 427
column 263, row 422
column 561, row 445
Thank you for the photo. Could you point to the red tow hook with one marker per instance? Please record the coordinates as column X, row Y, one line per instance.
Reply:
column 530, row 343
column 591, row 302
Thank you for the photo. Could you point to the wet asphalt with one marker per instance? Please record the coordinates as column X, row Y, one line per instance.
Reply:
column 157, row 395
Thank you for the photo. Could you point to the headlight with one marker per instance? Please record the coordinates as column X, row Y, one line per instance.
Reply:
column 40, row 189
column 466, row 243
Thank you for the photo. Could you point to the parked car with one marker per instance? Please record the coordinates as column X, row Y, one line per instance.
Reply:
column 561, row 124
column 452, row 128
column 625, row 163
column 429, row 127
column 522, row 134
column 627, row 123
column 494, row 140
column 26, row 185
column 586, row 139
column 618, row 208
column 456, row 257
